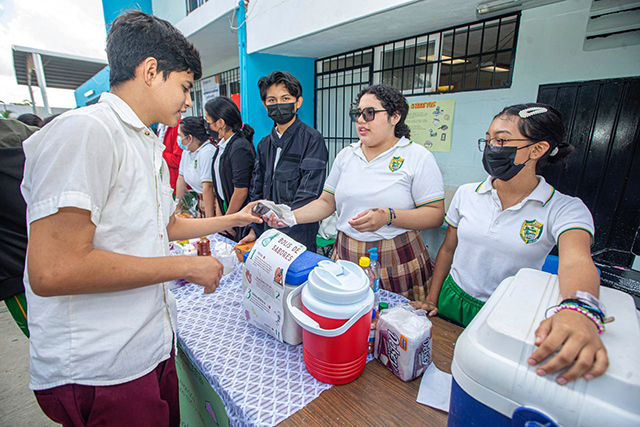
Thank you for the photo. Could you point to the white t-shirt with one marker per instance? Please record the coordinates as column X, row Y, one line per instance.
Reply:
column 195, row 166
column 216, row 165
column 494, row 244
column 404, row 177
column 102, row 159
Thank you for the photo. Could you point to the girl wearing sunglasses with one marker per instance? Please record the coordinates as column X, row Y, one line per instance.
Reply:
column 384, row 188
column 512, row 220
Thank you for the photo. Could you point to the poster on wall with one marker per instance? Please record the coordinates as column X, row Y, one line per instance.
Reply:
column 431, row 122
column 210, row 89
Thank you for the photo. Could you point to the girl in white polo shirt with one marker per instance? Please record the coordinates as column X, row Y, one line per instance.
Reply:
column 195, row 165
column 512, row 220
column 384, row 188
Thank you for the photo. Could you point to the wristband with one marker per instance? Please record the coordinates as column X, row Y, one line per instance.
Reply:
column 584, row 311
column 392, row 215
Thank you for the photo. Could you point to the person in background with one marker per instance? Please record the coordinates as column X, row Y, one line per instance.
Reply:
column 384, row 188
column 233, row 159
column 49, row 119
column 102, row 320
column 195, row 165
column 291, row 162
column 511, row 221
column 31, row 120
column 172, row 153
column 13, row 221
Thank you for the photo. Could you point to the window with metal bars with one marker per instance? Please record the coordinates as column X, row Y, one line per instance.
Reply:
column 194, row 4
column 228, row 81
column 475, row 56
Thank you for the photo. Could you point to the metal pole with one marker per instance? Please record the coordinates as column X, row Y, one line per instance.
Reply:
column 37, row 61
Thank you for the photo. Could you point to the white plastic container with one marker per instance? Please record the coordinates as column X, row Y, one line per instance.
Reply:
column 494, row 385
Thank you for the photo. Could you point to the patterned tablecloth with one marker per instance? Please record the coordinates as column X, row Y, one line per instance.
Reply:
column 260, row 380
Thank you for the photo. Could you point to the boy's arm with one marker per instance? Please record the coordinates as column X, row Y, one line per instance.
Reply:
column 313, row 167
column 61, row 260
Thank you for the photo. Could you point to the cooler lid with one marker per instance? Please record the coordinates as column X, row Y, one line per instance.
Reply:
column 340, row 282
column 300, row 268
column 490, row 360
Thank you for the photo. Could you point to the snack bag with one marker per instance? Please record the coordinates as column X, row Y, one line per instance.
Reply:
column 403, row 341
column 282, row 212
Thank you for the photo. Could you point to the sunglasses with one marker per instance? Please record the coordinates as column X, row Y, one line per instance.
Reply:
column 368, row 114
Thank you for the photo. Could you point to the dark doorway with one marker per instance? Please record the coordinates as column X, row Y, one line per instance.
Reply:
column 602, row 120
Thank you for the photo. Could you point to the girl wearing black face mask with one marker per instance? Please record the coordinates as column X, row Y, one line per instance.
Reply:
column 511, row 221
column 233, row 158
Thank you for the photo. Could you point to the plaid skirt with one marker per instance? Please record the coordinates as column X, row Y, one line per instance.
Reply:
column 405, row 266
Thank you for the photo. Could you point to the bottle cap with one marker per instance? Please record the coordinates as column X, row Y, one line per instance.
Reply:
column 373, row 254
column 383, row 306
column 364, row 261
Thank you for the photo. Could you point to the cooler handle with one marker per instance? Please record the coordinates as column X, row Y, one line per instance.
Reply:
column 311, row 325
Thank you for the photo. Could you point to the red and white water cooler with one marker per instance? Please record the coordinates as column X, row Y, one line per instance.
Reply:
column 336, row 318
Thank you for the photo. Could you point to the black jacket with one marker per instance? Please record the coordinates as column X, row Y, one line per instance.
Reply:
column 13, row 223
column 236, row 168
column 298, row 177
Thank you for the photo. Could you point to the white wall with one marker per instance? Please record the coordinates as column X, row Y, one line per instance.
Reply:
column 271, row 23
column 549, row 50
column 171, row 10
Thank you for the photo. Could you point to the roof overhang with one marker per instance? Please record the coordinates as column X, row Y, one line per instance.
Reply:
column 61, row 70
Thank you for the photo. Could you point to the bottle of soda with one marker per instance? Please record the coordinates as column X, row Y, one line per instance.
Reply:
column 203, row 246
column 372, row 331
column 374, row 266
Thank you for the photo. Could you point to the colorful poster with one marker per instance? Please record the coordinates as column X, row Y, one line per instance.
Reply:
column 267, row 266
column 431, row 122
column 210, row 89
column 200, row 406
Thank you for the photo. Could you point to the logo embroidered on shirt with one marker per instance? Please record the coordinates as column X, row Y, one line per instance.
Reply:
column 531, row 231
column 195, row 164
column 396, row 163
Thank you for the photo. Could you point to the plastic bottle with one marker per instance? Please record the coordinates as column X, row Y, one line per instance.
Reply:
column 374, row 266
column 203, row 246
column 372, row 330
column 364, row 263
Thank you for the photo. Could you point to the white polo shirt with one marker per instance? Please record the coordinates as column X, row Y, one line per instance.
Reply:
column 195, row 166
column 102, row 159
column 405, row 176
column 494, row 244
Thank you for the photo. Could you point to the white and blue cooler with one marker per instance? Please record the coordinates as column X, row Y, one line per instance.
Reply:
column 493, row 385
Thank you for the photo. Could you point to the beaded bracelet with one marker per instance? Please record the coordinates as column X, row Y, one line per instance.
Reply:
column 392, row 215
column 586, row 306
column 579, row 309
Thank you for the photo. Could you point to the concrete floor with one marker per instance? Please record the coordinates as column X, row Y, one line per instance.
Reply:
column 18, row 406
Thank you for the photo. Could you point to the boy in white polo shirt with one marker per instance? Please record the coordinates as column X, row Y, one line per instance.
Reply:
column 512, row 220
column 101, row 317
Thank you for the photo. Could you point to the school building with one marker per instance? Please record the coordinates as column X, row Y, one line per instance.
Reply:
column 458, row 61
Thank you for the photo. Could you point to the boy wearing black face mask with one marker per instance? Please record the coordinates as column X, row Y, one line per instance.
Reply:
column 292, row 159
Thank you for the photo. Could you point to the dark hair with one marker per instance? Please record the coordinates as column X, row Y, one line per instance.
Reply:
column 49, row 119
column 224, row 108
column 30, row 119
column 393, row 101
column 195, row 126
column 280, row 77
column 135, row 36
column 547, row 126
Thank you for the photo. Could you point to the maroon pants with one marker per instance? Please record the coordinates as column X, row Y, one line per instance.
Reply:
column 151, row 400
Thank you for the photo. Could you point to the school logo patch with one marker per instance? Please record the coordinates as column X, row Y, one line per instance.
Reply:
column 396, row 163
column 531, row 231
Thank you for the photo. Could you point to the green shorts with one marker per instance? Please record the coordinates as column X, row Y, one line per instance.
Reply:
column 456, row 305
column 17, row 306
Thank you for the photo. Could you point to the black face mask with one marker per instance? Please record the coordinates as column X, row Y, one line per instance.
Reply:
column 501, row 165
column 282, row 113
column 212, row 133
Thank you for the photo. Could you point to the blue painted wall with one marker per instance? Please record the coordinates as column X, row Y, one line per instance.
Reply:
column 257, row 65
column 100, row 82
column 113, row 8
